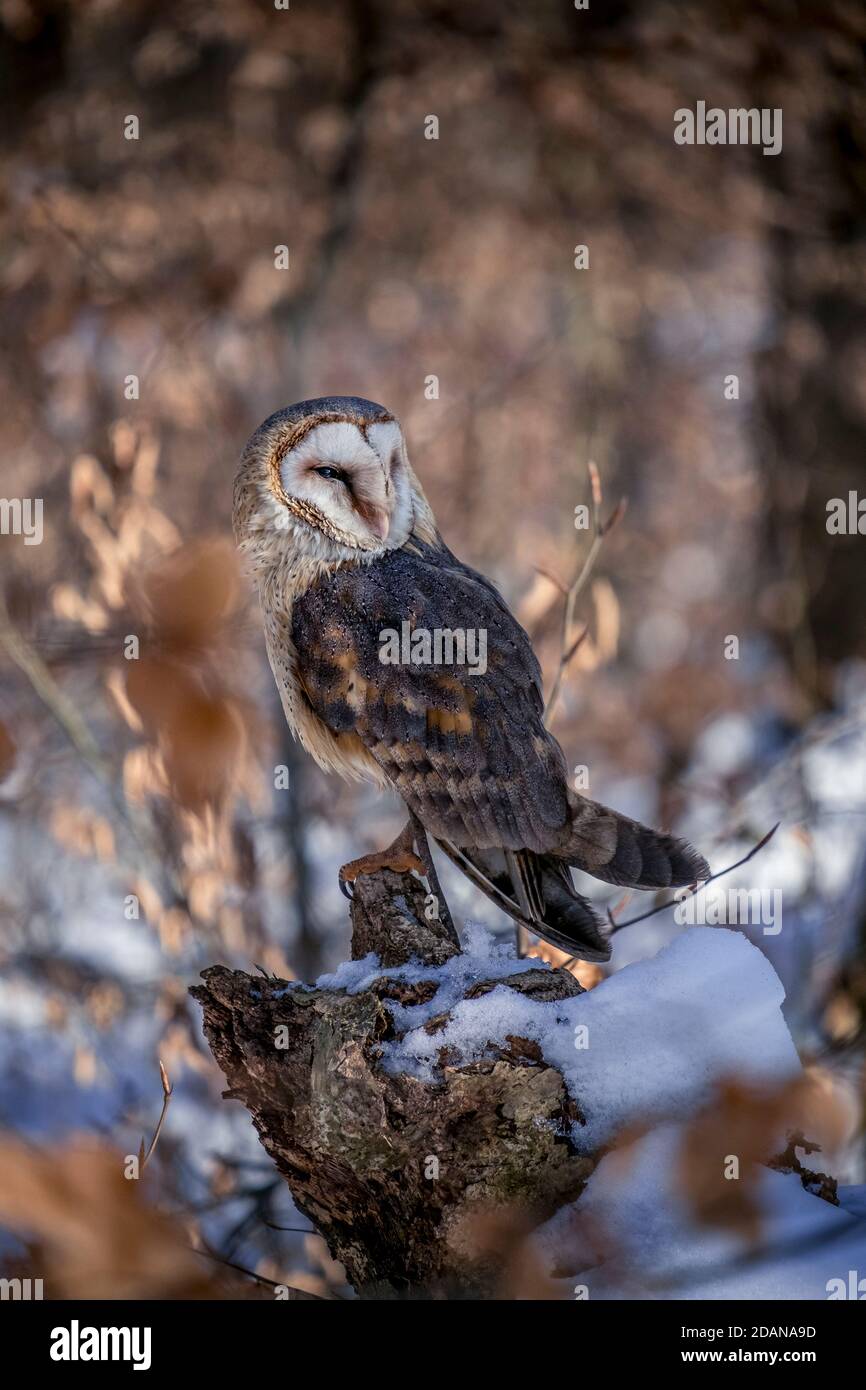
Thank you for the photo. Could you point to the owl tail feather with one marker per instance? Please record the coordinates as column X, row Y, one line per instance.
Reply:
column 536, row 890
column 622, row 851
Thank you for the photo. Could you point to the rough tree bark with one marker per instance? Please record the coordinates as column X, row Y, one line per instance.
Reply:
column 355, row 1143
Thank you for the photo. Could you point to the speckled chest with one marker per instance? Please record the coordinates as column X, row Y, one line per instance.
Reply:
column 340, row 753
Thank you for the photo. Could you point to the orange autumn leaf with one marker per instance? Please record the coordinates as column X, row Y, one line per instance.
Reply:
column 202, row 747
column 723, row 1149
column 187, row 595
column 156, row 688
column 96, row 1234
column 199, row 732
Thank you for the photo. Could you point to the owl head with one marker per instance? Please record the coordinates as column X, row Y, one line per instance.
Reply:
column 327, row 480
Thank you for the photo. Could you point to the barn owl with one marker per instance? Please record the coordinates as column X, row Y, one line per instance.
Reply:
column 343, row 548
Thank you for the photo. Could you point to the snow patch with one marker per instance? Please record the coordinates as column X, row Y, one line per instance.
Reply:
column 644, row 1244
column 646, row 1045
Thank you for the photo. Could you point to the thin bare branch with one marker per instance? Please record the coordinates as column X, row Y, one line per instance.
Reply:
column 557, row 583
column 166, row 1097
column 19, row 650
column 601, row 530
column 261, row 1278
column 705, row 883
column 615, row 517
column 575, row 646
column 145, row 849
column 298, row 1230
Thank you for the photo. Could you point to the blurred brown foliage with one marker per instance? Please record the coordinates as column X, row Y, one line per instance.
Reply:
column 153, row 259
column 97, row 1236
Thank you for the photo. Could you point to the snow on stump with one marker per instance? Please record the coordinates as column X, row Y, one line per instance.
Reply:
column 394, row 1170
column 421, row 1094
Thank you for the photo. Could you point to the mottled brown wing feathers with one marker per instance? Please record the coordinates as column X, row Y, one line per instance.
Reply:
column 468, row 752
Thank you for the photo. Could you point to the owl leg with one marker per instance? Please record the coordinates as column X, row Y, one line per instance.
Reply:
column 423, row 847
column 400, row 857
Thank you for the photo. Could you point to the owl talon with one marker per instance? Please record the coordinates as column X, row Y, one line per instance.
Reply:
column 396, row 858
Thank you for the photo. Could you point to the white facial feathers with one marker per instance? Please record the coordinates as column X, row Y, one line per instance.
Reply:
column 337, row 444
column 368, row 502
column 387, row 439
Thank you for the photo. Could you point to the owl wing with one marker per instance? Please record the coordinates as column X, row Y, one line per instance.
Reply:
column 463, row 744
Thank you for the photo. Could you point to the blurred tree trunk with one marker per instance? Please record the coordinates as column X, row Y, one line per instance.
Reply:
column 306, row 947
column 811, row 413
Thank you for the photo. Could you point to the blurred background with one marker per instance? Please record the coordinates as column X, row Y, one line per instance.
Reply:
column 155, row 816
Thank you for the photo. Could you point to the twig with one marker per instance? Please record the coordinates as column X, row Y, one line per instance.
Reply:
column 259, row 1278
column 19, row 650
column 601, row 529
column 576, row 644
column 297, row 1230
column 557, row 584
column 662, row 907
column 167, row 1090
column 144, row 845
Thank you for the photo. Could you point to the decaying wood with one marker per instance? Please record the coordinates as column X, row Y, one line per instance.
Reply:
column 398, row 1174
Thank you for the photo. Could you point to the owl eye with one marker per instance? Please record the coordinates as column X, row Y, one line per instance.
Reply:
column 333, row 473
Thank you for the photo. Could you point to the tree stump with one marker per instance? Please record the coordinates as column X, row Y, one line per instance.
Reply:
column 401, row 1176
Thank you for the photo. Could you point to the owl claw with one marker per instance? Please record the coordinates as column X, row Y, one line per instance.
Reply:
column 396, row 858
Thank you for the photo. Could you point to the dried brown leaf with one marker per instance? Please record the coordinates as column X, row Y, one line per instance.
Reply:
column 98, row 1235
column 187, row 595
